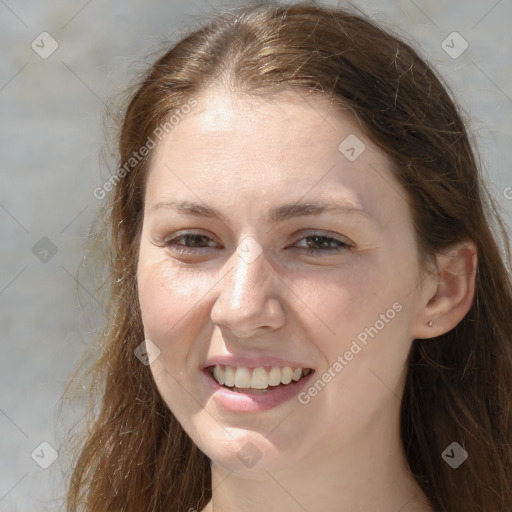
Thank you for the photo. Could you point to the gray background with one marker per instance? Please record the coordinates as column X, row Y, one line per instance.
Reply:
column 51, row 136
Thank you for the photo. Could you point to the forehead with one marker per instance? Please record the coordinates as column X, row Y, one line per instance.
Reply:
column 286, row 120
column 294, row 144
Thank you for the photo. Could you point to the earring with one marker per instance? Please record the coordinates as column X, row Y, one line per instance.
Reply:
column 430, row 323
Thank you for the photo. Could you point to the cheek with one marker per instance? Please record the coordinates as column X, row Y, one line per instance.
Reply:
column 167, row 296
column 343, row 301
column 369, row 304
column 166, row 302
column 171, row 307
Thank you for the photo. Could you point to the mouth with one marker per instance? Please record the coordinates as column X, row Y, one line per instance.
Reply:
column 256, row 380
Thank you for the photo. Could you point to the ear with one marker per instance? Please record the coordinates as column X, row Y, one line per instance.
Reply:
column 454, row 289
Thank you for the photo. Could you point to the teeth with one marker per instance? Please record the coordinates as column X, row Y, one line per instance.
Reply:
column 218, row 374
column 229, row 376
column 260, row 378
column 297, row 374
column 274, row 377
column 242, row 378
column 286, row 375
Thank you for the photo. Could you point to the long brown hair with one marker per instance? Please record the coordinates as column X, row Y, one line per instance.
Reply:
column 136, row 456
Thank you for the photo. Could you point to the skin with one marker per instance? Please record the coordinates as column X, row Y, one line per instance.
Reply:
column 341, row 451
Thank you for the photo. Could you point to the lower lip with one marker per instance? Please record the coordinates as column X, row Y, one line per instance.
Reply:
column 252, row 401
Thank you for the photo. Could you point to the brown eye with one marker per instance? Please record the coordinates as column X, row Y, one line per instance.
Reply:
column 317, row 244
column 187, row 243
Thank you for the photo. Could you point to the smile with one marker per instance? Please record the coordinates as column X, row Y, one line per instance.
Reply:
column 242, row 389
column 258, row 378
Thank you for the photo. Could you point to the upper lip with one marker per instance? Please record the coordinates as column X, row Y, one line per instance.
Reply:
column 252, row 362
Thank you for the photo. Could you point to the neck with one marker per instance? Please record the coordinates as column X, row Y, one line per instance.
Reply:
column 365, row 476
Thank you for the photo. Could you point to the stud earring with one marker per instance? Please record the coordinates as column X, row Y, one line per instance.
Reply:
column 430, row 323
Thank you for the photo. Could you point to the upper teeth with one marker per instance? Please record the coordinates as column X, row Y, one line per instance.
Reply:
column 260, row 378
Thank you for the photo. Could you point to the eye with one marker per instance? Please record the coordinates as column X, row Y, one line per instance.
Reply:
column 318, row 243
column 189, row 243
column 314, row 244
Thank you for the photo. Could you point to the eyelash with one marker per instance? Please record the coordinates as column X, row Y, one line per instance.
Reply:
column 183, row 249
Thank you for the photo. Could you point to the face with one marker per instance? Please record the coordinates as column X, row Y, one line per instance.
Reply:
column 276, row 243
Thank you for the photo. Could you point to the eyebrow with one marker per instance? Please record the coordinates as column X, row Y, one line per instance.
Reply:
column 279, row 214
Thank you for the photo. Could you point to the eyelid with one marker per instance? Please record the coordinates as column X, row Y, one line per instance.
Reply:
column 172, row 243
column 324, row 234
column 344, row 243
column 190, row 232
column 299, row 236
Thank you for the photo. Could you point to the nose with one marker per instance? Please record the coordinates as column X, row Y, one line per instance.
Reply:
column 249, row 299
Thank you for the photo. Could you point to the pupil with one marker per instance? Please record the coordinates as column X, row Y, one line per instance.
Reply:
column 196, row 240
column 319, row 241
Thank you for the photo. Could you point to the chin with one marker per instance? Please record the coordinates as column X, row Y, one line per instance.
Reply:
column 249, row 454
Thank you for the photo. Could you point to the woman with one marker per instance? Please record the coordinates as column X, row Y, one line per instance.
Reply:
column 309, row 308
